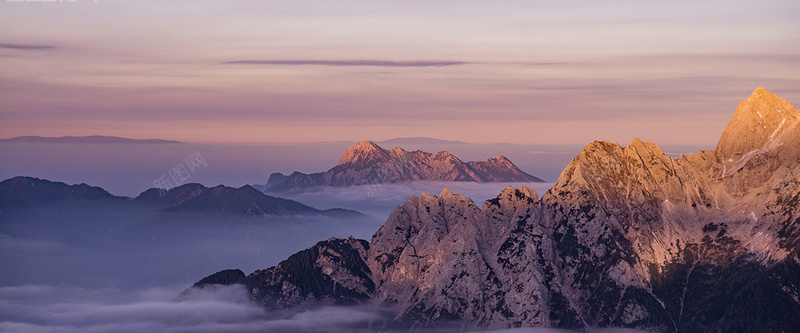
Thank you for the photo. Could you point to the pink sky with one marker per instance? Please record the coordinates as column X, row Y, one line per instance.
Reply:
column 537, row 72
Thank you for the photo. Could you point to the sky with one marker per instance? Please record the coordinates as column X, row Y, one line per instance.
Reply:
column 524, row 72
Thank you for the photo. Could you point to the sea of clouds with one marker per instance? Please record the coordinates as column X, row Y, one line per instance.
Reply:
column 101, row 271
column 63, row 309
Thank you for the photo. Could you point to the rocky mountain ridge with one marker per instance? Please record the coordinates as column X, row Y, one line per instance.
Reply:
column 627, row 237
column 366, row 163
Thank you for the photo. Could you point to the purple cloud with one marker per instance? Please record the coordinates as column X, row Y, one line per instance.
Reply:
column 67, row 309
column 26, row 47
column 377, row 63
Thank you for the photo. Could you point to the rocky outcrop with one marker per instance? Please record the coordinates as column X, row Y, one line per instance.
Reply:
column 762, row 124
column 330, row 272
column 223, row 278
column 366, row 163
column 275, row 178
column 627, row 237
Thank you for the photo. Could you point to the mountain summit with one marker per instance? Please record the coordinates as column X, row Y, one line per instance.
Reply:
column 764, row 124
column 759, row 121
column 364, row 153
column 367, row 163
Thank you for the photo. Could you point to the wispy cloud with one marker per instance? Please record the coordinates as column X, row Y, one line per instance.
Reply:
column 35, row 308
column 27, row 47
column 379, row 200
column 524, row 63
column 376, row 63
column 540, row 152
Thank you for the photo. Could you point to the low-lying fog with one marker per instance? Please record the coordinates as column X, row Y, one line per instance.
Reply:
column 103, row 269
column 379, row 200
column 94, row 246
column 63, row 309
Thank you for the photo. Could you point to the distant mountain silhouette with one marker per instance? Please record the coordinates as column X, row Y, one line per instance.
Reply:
column 367, row 163
column 85, row 139
column 21, row 193
column 244, row 201
column 36, row 191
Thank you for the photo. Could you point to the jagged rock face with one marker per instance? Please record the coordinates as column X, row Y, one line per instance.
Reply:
column 330, row 272
column 429, row 247
column 627, row 237
column 366, row 163
column 762, row 137
column 610, row 214
column 443, row 258
column 501, row 169
column 656, row 233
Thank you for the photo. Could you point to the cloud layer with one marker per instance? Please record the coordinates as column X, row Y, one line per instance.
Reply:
column 379, row 200
column 91, row 270
column 374, row 63
column 26, row 47
column 35, row 308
